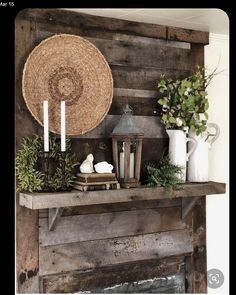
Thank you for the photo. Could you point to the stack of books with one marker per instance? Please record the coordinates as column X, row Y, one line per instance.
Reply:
column 95, row 181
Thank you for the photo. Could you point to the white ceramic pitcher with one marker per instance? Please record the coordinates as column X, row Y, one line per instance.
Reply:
column 178, row 149
column 198, row 162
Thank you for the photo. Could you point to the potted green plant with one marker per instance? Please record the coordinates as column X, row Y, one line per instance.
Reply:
column 183, row 108
column 29, row 159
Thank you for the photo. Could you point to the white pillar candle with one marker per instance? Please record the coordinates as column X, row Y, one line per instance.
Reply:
column 122, row 166
column 45, row 124
column 131, row 165
column 63, row 126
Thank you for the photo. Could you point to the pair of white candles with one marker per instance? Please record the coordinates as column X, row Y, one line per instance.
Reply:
column 63, row 126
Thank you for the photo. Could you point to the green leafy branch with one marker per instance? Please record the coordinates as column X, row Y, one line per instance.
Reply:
column 164, row 173
column 29, row 161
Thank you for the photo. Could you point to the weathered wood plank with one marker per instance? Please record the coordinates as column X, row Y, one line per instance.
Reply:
column 43, row 213
column 141, row 106
column 45, row 30
column 88, row 227
column 79, row 281
column 190, row 36
column 118, row 207
column 26, row 220
column 142, row 78
column 150, row 126
column 88, row 23
column 89, row 255
column 123, row 53
column 197, row 56
column 77, row 198
column 107, row 208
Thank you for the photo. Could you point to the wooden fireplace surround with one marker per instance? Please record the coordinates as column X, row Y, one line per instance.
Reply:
column 67, row 242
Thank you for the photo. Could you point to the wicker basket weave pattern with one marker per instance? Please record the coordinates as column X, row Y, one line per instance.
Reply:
column 68, row 67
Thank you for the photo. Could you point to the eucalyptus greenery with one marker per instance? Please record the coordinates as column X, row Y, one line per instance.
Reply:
column 164, row 173
column 184, row 103
column 29, row 160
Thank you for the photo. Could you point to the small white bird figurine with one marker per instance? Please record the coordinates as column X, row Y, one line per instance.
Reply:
column 87, row 165
column 103, row 167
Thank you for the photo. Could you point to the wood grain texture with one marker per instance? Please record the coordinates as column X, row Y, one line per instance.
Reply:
column 192, row 36
column 26, row 220
column 79, row 281
column 77, row 198
column 104, row 24
column 199, row 260
column 87, row 22
column 119, row 207
column 124, row 53
column 142, row 77
column 150, row 126
column 88, row 227
column 93, row 254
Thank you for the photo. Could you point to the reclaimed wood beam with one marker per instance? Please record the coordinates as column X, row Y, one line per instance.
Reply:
column 78, row 198
column 85, row 22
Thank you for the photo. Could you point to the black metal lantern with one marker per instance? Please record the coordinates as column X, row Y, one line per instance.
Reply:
column 127, row 150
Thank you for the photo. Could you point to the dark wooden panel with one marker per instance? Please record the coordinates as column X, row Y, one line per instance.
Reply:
column 197, row 56
column 143, row 55
column 104, row 24
column 45, row 30
column 142, row 78
column 26, row 220
column 199, row 242
column 87, row 22
column 151, row 126
column 80, row 228
column 77, row 281
column 105, row 208
column 141, row 106
column 191, row 36
column 93, row 254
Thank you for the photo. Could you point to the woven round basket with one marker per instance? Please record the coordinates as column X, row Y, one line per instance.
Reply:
column 70, row 68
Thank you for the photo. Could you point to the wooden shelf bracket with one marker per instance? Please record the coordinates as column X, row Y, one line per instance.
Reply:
column 187, row 205
column 53, row 215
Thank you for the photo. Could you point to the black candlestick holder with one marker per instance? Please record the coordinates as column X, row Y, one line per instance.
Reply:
column 63, row 168
column 46, row 170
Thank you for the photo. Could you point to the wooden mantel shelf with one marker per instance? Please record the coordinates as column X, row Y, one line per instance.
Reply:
column 77, row 198
column 56, row 202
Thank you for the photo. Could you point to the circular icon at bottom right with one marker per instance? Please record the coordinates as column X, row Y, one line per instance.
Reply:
column 215, row 278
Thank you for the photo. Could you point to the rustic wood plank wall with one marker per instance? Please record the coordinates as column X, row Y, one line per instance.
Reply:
column 97, row 239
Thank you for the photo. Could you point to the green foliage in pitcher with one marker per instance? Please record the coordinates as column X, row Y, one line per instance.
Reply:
column 184, row 103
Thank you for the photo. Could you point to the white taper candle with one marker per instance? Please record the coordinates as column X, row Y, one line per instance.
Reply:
column 63, row 126
column 45, row 124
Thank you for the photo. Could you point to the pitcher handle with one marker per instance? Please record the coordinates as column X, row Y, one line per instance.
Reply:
column 214, row 138
column 193, row 147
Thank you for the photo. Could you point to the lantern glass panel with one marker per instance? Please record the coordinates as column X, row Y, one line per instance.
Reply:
column 121, row 158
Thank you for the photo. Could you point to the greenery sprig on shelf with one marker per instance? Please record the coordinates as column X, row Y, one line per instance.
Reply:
column 29, row 165
column 164, row 174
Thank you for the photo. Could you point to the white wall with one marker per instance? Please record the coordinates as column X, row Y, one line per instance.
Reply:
column 218, row 205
